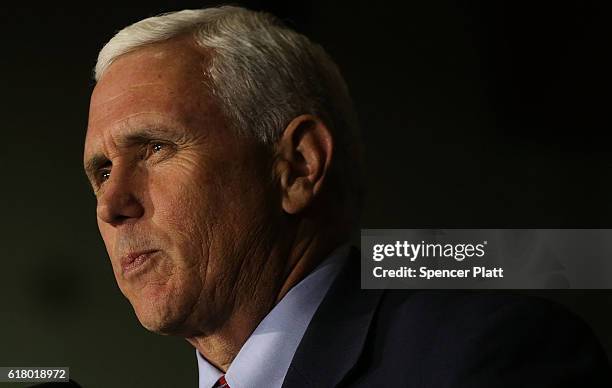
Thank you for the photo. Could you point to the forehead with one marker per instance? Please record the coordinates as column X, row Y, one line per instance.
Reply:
column 161, row 81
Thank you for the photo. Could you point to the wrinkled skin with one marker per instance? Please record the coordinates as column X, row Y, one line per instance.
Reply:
column 186, row 186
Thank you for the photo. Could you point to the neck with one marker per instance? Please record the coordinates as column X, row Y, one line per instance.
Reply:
column 309, row 248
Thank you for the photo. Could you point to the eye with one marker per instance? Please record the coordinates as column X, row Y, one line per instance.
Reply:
column 104, row 175
column 156, row 147
column 159, row 149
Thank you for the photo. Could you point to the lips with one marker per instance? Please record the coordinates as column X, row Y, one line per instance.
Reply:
column 133, row 260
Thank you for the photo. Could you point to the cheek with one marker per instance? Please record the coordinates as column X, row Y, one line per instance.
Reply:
column 181, row 211
column 209, row 209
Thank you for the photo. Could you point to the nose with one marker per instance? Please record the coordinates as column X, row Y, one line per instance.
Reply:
column 118, row 202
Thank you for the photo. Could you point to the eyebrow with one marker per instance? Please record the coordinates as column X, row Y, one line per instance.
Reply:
column 127, row 139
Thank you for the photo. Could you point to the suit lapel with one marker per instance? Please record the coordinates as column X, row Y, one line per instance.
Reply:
column 336, row 335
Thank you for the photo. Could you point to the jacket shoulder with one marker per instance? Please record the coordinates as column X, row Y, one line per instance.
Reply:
column 481, row 338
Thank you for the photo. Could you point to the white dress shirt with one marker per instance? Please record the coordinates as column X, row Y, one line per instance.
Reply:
column 265, row 357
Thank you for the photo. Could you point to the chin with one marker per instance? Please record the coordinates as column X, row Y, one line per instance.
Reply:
column 162, row 315
column 161, row 322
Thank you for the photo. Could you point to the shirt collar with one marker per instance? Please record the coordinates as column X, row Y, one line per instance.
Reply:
column 265, row 357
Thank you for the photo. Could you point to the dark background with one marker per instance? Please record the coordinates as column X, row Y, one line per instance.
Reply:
column 474, row 114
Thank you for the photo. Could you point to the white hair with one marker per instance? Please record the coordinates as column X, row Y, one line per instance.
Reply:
column 263, row 74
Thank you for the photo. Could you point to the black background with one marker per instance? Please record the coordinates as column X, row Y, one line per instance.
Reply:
column 474, row 114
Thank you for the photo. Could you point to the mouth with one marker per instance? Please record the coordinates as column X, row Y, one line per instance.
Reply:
column 131, row 262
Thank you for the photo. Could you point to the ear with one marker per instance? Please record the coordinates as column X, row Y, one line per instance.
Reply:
column 303, row 157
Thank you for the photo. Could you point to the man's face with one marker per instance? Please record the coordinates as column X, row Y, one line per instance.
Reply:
column 183, row 205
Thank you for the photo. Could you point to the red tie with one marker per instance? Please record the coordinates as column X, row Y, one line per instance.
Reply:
column 221, row 383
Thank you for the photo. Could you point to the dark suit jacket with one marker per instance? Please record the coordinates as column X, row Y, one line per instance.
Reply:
column 435, row 339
